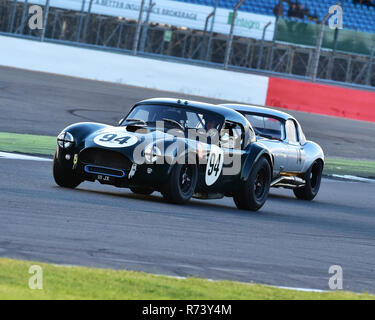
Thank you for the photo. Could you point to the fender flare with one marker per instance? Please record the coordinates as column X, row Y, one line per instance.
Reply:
column 187, row 153
column 81, row 130
column 256, row 151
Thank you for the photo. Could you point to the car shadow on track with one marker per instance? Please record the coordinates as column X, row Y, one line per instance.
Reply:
column 224, row 206
column 288, row 211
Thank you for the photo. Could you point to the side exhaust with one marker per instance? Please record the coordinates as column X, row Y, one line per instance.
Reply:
column 288, row 182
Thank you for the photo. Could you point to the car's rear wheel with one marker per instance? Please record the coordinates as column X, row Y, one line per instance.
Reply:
column 64, row 177
column 313, row 178
column 181, row 185
column 141, row 190
column 254, row 191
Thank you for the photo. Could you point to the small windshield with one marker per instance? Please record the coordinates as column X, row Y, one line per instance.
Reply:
column 267, row 127
column 173, row 117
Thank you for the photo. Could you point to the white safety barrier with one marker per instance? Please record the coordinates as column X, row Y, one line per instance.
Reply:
column 136, row 71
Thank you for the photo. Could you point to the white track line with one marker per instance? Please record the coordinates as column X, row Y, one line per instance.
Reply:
column 301, row 289
column 212, row 280
column 250, row 283
column 353, row 178
column 16, row 156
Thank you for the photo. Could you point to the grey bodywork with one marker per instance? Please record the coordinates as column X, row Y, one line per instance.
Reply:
column 291, row 160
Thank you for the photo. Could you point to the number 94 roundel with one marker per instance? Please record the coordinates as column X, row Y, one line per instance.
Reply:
column 214, row 165
column 115, row 139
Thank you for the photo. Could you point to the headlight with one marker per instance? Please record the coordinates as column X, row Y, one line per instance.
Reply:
column 65, row 140
column 152, row 153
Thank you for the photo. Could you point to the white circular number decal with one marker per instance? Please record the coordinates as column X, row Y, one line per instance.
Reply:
column 214, row 165
column 115, row 140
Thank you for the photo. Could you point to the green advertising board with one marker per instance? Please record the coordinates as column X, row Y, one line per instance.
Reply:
column 167, row 35
column 307, row 34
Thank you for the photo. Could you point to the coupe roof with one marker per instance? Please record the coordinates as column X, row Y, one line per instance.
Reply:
column 259, row 110
column 228, row 113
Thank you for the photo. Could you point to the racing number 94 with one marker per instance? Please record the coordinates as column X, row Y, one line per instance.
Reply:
column 214, row 164
column 111, row 137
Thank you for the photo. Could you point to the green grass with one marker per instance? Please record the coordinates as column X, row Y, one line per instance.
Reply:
column 27, row 143
column 359, row 168
column 46, row 145
column 88, row 283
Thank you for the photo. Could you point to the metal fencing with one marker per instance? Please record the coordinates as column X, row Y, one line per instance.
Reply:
column 204, row 47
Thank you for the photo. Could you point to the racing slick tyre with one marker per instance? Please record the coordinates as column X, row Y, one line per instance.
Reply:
column 140, row 190
column 64, row 177
column 254, row 191
column 313, row 178
column 181, row 185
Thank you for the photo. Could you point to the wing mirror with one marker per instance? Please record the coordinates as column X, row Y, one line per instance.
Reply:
column 224, row 138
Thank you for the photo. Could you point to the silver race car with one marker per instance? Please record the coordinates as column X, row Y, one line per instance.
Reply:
column 298, row 163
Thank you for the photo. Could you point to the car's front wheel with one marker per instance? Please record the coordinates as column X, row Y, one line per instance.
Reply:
column 181, row 185
column 64, row 177
column 313, row 178
column 254, row 191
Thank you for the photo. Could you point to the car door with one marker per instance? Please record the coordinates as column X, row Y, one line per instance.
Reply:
column 231, row 142
column 296, row 153
column 277, row 145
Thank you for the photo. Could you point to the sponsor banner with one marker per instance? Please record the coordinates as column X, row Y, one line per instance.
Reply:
column 176, row 13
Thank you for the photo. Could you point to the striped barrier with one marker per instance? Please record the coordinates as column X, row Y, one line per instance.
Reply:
column 187, row 79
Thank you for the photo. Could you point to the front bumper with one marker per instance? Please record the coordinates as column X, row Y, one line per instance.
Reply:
column 139, row 175
column 144, row 175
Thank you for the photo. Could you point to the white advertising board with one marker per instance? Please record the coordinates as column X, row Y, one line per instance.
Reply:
column 176, row 13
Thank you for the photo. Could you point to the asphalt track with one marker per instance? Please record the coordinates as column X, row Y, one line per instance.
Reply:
column 288, row 243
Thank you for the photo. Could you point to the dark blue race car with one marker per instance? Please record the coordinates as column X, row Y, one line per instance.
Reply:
column 182, row 149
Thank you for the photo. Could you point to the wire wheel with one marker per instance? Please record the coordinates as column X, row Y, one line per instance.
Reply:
column 186, row 177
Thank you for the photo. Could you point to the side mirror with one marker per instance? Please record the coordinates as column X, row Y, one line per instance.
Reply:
column 224, row 138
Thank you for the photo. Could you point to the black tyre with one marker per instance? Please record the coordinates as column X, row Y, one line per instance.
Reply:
column 313, row 178
column 64, row 177
column 140, row 190
column 254, row 191
column 181, row 184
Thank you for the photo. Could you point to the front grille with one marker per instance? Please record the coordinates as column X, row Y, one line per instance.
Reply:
column 105, row 158
column 105, row 171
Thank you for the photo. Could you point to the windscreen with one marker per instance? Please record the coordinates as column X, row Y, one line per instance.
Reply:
column 267, row 127
column 186, row 118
